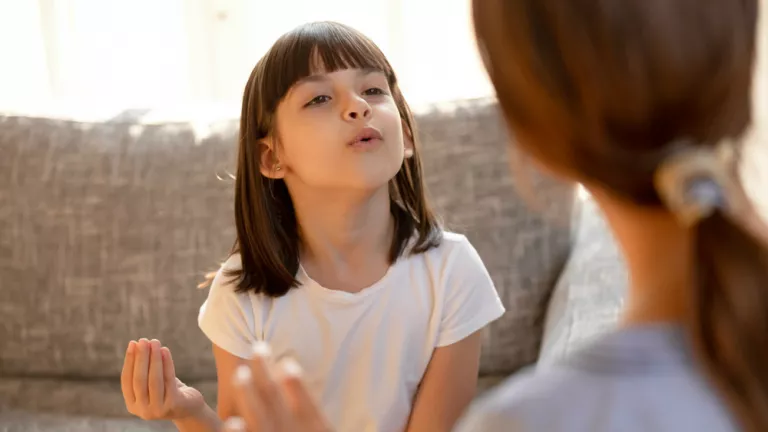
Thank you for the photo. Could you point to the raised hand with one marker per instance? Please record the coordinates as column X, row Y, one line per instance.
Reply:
column 150, row 387
column 273, row 399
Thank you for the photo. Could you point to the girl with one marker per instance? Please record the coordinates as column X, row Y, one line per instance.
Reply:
column 339, row 263
column 644, row 102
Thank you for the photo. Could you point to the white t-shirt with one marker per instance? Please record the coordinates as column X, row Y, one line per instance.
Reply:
column 363, row 354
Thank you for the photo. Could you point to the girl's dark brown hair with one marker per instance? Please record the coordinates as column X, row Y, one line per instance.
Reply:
column 268, row 235
column 598, row 89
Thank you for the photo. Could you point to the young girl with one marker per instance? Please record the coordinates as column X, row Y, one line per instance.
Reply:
column 339, row 263
column 644, row 102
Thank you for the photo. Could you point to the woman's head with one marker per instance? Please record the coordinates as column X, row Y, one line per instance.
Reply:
column 603, row 92
column 322, row 111
column 598, row 90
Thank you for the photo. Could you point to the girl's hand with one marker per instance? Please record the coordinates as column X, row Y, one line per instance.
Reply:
column 150, row 387
column 273, row 399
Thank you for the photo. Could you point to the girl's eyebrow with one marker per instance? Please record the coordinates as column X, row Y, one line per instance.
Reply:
column 368, row 71
column 324, row 77
column 313, row 78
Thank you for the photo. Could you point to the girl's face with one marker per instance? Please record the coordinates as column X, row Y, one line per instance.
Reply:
column 339, row 130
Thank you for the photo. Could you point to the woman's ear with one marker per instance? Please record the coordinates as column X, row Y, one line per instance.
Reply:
column 270, row 166
column 407, row 140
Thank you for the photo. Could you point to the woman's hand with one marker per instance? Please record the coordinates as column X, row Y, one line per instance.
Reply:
column 150, row 387
column 273, row 398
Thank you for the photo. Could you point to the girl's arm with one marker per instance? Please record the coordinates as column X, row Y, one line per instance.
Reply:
column 226, row 363
column 469, row 302
column 448, row 386
column 209, row 420
column 205, row 421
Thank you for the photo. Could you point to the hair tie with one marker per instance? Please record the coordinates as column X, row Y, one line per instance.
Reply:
column 695, row 181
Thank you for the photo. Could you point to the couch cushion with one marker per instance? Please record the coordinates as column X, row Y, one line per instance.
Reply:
column 76, row 398
column 21, row 421
column 36, row 401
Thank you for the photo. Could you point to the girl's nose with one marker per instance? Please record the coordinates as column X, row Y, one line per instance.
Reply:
column 358, row 108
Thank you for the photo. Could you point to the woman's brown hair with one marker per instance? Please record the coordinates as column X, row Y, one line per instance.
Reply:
column 268, row 235
column 600, row 89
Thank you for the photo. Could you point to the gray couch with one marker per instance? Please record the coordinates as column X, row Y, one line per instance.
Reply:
column 106, row 227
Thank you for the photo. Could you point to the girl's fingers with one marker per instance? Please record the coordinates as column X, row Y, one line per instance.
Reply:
column 155, row 377
column 249, row 402
column 300, row 402
column 140, row 372
column 234, row 424
column 274, row 402
column 126, row 377
column 169, row 372
column 262, row 376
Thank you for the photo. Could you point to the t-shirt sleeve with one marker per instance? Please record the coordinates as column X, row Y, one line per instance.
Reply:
column 471, row 301
column 227, row 317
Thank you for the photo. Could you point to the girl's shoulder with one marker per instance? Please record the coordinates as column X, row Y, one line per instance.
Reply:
column 224, row 279
column 451, row 238
column 449, row 243
column 454, row 252
column 233, row 263
column 456, row 268
column 465, row 294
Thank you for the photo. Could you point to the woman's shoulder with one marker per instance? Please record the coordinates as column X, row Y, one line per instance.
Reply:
column 625, row 380
column 530, row 400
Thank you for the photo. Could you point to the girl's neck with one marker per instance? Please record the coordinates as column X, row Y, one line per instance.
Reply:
column 346, row 237
column 657, row 251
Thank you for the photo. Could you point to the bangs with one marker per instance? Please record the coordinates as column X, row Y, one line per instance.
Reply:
column 320, row 47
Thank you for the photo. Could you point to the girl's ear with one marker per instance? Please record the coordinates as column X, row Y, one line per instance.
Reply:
column 270, row 163
column 407, row 140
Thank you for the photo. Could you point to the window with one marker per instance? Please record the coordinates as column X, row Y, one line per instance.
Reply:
column 147, row 53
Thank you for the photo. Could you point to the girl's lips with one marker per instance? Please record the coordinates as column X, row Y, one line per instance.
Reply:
column 366, row 137
column 365, row 145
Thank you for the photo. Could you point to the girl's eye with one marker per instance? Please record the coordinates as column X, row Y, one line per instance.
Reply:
column 374, row 91
column 318, row 100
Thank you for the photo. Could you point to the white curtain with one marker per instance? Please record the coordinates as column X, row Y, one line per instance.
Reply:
column 124, row 54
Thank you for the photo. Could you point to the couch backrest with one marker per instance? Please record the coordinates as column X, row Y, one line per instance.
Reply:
column 106, row 229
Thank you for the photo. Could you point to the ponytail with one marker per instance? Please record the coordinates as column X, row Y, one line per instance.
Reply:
column 729, row 318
